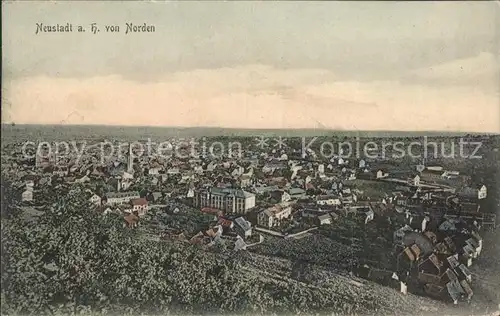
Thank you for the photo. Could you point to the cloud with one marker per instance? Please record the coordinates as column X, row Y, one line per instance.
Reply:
column 253, row 96
column 482, row 71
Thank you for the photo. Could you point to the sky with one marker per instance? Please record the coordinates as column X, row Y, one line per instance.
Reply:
column 337, row 65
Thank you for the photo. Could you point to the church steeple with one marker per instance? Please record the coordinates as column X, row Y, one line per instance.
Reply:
column 130, row 163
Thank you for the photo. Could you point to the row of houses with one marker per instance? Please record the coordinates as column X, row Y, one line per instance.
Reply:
column 443, row 272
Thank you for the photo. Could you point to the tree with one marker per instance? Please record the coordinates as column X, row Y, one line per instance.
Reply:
column 74, row 260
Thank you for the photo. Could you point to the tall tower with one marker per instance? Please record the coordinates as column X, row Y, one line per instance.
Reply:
column 130, row 163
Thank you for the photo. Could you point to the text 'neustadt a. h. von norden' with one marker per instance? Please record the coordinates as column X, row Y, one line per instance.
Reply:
column 95, row 28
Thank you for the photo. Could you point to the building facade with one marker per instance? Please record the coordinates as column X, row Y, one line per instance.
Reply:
column 95, row 199
column 115, row 198
column 140, row 206
column 328, row 200
column 27, row 196
column 230, row 200
column 272, row 216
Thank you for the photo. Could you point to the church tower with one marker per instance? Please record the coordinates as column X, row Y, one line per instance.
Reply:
column 130, row 163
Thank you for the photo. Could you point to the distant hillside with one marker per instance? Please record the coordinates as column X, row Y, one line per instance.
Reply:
column 337, row 291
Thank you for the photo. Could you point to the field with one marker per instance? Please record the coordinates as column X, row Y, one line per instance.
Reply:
column 341, row 245
column 373, row 189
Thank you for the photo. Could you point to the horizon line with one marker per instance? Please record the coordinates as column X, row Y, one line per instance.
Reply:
column 319, row 129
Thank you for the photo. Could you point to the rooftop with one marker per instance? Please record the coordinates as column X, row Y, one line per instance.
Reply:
column 240, row 221
column 231, row 191
column 141, row 201
column 122, row 194
column 296, row 191
column 276, row 209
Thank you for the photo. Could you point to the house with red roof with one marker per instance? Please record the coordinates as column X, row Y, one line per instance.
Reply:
column 140, row 206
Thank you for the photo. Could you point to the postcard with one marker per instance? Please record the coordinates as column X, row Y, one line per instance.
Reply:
column 250, row 157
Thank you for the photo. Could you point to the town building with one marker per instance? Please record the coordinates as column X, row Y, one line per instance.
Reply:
column 382, row 173
column 328, row 200
column 95, row 199
column 297, row 193
column 324, row 219
column 243, row 227
column 265, row 189
column 414, row 180
column 30, row 184
column 477, row 193
column 280, row 196
column 245, row 180
column 140, row 206
column 27, row 196
column 114, row 198
column 272, row 216
column 231, row 200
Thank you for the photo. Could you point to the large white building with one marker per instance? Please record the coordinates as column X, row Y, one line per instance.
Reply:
column 230, row 200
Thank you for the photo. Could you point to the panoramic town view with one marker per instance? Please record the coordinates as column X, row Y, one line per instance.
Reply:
column 244, row 224
column 250, row 158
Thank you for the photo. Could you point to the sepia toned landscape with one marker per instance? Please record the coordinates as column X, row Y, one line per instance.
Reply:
column 250, row 158
column 273, row 228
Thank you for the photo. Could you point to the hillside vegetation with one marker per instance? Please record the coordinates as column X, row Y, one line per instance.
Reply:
column 71, row 261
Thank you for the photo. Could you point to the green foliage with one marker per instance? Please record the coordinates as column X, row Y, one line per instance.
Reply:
column 72, row 260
